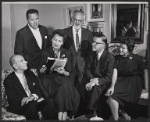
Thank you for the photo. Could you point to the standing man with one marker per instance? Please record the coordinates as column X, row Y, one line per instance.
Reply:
column 22, row 90
column 98, row 70
column 31, row 40
column 78, row 42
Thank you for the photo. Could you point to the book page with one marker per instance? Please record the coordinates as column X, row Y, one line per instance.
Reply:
column 59, row 63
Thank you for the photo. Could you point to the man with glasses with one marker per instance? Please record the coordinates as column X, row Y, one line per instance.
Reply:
column 79, row 43
column 98, row 71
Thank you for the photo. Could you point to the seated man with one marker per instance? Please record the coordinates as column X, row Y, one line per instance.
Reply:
column 22, row 90
column 98, row 70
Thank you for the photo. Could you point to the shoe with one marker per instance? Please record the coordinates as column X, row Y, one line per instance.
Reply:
column 96, row 118
column 125, row 115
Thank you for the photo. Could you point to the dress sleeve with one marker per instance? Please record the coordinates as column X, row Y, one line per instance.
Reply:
column 68, row 65
column 141, row 66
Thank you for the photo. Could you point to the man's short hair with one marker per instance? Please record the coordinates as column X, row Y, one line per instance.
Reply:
column 100, row 35
column 31, row 11
column 78, row 11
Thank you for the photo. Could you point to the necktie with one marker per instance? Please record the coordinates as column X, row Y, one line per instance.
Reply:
column 77, row 40
column 25, row 85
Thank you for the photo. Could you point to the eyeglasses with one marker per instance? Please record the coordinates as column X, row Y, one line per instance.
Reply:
column 78, row 20
column 97, row 43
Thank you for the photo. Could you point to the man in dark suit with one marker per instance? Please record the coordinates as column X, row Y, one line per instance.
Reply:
column 98, row 70
column 31, row 40
column 133, row 30
column 22, row 90
column 79, row 43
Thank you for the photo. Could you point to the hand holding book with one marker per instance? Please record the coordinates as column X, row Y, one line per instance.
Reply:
column 60, row 70
column 58, row 65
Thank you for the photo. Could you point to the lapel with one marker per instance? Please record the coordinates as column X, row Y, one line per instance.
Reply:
column 72, row 39
column 29, row 82
column 74, row 48
column 51, row 52
column 17, row 83
column 82, row 34
column 101, row 62
column 95, row 61
column 62, row 53
column 32, row 37
column 42, row 35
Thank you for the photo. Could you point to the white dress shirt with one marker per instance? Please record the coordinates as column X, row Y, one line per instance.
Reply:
column 37, row 36
column 21, row 78
column 100, row 54
column 74, row 36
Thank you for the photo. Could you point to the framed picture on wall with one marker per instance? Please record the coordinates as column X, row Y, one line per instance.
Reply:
column 127, row 20
column 97, row 27
column 95, row 12
column 70, row 11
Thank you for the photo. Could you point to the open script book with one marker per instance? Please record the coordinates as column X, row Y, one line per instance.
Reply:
column 54, row 63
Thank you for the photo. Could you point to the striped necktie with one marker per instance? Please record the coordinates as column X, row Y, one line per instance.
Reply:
column 25, row 85
column 77, row 40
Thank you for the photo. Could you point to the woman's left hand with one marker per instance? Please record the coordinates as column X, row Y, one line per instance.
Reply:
column 60, row 70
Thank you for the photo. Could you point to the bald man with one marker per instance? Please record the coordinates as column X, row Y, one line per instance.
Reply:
column 22, row 90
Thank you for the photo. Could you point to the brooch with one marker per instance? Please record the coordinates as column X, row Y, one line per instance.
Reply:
column 63, row 56
column 130, row 57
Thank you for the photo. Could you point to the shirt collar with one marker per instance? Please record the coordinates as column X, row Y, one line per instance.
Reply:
column 76, row 29
column 32, row 28
column 100, row 54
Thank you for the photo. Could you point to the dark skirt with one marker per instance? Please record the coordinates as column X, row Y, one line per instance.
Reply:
column 128, row 89
column 60, row 88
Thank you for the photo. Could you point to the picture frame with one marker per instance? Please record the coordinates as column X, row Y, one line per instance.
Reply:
column 97, row 27
column 69, row 13
column 131, row 14
column 95, row 12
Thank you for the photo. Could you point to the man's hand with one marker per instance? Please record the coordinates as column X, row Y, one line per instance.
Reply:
column 89, row 86
column 95, row 80
column 25, row 100
column 41, row 99
column 43, row 69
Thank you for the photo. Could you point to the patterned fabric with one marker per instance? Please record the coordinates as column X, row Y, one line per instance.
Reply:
column 3, row 93
column 5, row 114
column 114, row 49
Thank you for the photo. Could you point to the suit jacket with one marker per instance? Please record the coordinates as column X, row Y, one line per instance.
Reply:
column 27, row 46
column 80, row 57
column 15, row 91
column 63, row 54
column 101, row 69
column 131, row 32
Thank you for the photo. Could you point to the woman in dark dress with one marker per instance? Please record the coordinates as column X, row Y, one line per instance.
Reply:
column 56, row 83
column 127, row 80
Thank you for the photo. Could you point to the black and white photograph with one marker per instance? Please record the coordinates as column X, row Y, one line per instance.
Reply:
column 74, row 61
